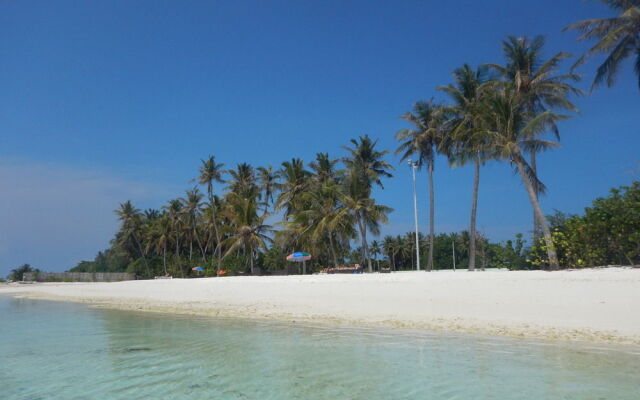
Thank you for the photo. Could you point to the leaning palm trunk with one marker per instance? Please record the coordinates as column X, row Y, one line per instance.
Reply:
column 551, row 251
column 218, row 249
column 474, row 211
column 431, row 217
column 536, row 223
column 202, row 249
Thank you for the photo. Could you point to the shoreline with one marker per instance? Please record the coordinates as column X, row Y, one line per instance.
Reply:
column 594, row 305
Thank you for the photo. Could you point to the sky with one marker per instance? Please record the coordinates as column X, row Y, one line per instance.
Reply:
column 108, row 101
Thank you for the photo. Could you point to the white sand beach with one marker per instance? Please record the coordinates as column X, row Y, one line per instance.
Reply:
column 598, row 305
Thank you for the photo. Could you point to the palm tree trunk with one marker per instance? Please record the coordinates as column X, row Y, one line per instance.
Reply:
column 202, row 250
column 551, row 251
column 178, row 254
column 365, row 248
column 474, row 211
column 251, row 261
column 214, row 221
column 536, row 222
column 146, row 264
column 164, row 256
column 431, row 218
column 333, row 250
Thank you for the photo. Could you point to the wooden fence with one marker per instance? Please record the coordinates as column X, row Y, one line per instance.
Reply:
column 78, row 276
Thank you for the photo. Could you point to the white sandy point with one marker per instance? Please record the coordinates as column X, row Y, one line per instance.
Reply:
column 598, row 305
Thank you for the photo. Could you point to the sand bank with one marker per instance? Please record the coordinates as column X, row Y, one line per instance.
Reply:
column 598, row 305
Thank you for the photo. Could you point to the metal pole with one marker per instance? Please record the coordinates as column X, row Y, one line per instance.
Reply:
column 414, row 166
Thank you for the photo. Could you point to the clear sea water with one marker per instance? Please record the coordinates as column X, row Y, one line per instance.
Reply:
column 54, row 350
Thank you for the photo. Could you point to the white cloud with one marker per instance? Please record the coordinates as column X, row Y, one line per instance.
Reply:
column 53, row 216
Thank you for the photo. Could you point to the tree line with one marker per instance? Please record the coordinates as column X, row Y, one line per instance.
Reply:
column 507, row 112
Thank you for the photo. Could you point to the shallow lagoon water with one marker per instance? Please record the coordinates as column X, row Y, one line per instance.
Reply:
column 54, row 350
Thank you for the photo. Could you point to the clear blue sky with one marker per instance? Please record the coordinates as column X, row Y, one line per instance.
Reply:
column 114, row 100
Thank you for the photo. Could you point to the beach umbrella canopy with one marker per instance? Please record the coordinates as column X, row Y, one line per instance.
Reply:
column 299, row 256
column 197, row 269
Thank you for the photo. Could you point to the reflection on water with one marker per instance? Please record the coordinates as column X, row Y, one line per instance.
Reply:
column 52, row 350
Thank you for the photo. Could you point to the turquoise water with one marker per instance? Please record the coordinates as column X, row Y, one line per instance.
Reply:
column 51, row 350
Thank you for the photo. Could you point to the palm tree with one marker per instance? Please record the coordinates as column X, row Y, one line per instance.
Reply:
column 390, row 249
column 465, row 143
column 210, row 173
column 406, row 248
column 243, row 181
column 131, row 222
column 423, row 141
column 618, row 37
column 268, row 183
column 174, row 210
column 250, row 233
column 375, row 251
column 318, row 220
column 160, row 234
column 512, row 130
column 367, row 162
column 294, row 183
column 358, row 205
column 324, row 169
column 192, row 209
column 538, row 85
column 365, row 166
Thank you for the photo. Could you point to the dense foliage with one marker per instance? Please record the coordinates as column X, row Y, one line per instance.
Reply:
column 324, row 207
column 607, row 233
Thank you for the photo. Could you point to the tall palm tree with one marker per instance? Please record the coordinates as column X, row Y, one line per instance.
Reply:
column 324, row 169
column 295, row 181
column 618, row 38
column 250, row 233
column 211, row 172
column 192, row 210
column 174, row 211
column 466, row 143
column 423, row 142
column 268, row 183
column 538, row 84
column 243, row 181
column 131, row 222
column 365, row 166
column 513, row 129
column 367, row 162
